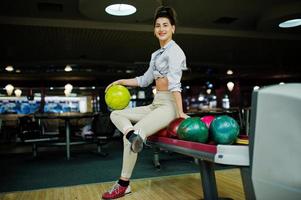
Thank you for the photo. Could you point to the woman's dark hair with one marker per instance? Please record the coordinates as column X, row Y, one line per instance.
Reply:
column 165, row 11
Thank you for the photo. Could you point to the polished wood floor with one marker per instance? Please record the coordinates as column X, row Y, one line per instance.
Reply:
column 182, row 187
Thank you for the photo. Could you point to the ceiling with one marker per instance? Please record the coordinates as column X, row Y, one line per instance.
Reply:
column 39, row 37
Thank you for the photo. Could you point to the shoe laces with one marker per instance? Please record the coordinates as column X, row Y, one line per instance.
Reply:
column 115, row 187
column 138, row 133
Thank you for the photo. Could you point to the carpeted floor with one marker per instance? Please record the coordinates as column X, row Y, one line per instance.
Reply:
column 19, row 171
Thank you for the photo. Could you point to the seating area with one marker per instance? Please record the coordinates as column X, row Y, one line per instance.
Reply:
column 30, row 131
column 98, row 129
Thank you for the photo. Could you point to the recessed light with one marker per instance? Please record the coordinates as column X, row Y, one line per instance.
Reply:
column 120, row 9
column 9, row 68
column 290, row 23
column 229, row 72
column 68, row 68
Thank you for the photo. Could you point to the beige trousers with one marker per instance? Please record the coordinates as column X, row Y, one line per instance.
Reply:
column 147, row 119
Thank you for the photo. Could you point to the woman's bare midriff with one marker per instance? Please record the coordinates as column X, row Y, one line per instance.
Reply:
column 162, row 84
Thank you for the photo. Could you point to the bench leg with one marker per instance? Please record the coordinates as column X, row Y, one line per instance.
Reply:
column 208, row 180
column 247, row 183
column 156, row 161
column 34, row 150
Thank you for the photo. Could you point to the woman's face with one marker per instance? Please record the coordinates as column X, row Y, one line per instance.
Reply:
column 163, row 29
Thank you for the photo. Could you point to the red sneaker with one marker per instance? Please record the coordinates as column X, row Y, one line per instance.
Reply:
column 116, row 191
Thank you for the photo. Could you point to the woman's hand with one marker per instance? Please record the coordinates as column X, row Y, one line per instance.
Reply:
column 118, row 82
column 183, row 115
column 125, row 82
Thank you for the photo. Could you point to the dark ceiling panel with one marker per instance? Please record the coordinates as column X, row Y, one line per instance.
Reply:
column 43, row 37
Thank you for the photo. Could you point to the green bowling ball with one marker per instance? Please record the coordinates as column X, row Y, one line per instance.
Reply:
column 224, row 130
column 117, row 97
column 193, row 129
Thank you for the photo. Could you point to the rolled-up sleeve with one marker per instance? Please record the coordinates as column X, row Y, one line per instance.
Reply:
column 177, row 63
column 147, row 78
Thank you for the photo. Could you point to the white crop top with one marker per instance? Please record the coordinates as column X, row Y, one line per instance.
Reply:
column 169, row 62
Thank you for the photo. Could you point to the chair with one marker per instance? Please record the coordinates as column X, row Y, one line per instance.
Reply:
column 103, row 130
column 31, row 132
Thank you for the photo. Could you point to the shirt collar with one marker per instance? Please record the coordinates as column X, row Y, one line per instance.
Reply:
column 171, row 42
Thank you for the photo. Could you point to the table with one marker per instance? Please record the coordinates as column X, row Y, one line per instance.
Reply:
column 66, row 117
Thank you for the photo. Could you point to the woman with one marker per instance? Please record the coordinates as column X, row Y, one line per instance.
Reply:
column 165, row 68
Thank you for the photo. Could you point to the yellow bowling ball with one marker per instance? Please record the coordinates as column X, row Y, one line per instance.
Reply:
column 117, row 97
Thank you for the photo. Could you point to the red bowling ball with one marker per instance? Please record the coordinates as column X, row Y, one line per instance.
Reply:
column 207, row 120
column 173, row 126
column 162, row 133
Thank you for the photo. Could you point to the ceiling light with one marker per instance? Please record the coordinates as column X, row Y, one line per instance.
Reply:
column 68, row 68
column 67, row 92
column 9, row 68
column 9, row 89
column 51, row 88
column 18, row 92
column 290, row 23
column 93, row 87
column 230, row 86
column 120, row 9
column 68, row 87
column 128, row 71
column 18, row 71
column 229, row 72
column 201, row 97
column 134, row 96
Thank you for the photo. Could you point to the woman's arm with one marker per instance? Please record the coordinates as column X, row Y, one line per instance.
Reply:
column 127, row 82
column 178, row 97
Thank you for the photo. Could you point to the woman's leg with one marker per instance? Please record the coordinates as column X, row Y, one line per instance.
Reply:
column 129, row 160
column 149, row 120
column 159, row 118
column 123, row 119
column 148, row 125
